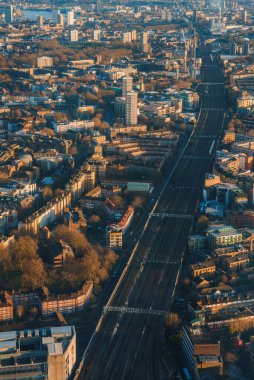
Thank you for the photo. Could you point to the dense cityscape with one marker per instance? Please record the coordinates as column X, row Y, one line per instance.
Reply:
column 127, row 190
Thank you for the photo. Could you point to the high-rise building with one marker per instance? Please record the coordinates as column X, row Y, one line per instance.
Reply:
column 96, row 35
column 9, row 14
column 73, row 35
column 232, row 48
column 40, row 21
column 70, row 18
column 60, row 19
column 133, row 35
column 239, row 50
column 144, row 38
column 55, row 14
column 245, row 48
column 144, row 46
column 119, row 107
column 131, row 108
column 127, row 85
column 127, row 37
column 245, row 17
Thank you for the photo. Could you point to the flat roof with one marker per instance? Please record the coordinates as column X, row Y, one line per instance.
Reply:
column 62, row 330
column 7, row 344
column 8, row 335
column 55, row 349
column 208, row 358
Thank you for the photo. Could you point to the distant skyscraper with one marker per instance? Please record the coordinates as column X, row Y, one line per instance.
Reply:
column 245, row 17
column 73, row 35
column 70, row 18
column 127, row 85
column 144, row 46
column 133, row 35
column 96, row 35
column 60, row 19
column 232, row 48
column 9, row 14
column 119, row 107
column 54, row 15
column 40, row 21
column 131, row 108
column 245, row 48
column 127, row 37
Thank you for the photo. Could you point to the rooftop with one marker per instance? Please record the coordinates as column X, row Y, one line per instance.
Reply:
column 222, row 230
column 27, row 346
